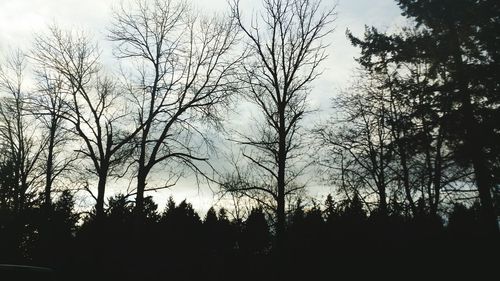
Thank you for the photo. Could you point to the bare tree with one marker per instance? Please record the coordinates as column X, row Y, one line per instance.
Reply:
column 185, row 68
column 286, row 46
column 19, row 136
column 384, row 144
column 362, row 136
column 96, row 111
column 48, row 105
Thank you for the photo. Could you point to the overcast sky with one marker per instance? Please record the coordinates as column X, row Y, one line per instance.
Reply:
column 19, row 19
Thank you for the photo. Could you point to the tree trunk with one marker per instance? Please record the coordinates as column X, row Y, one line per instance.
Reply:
column 22, row 193
column 406, row 180
column 22, row 201
column 48, row 171
column 437, row 178
column 383, row 202
column 142, row 171
column 280, row 227
column 474, row 145
column 139, row 197
column 16, row 187
column 484, row 184
column 382, row 187
column 482, row 174
column 101, row 188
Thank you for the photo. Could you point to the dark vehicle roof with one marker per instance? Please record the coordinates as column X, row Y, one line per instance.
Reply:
column 25, row 273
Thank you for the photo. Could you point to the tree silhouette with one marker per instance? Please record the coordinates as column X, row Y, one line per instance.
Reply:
column 186, row 79
column 49, row 106
column 364, row 141
column 286, row 49
column 54, row 244
column 18, row 134
column 96, row 110
column 456, row 43
column 255, row 236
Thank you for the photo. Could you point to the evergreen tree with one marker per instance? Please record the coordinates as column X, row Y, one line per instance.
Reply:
column 458, row 41
column 255, row 236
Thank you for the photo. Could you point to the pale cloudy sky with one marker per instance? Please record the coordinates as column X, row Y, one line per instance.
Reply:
column 19, row 19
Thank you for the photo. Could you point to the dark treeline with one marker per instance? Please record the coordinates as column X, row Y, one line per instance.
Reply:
column 332, row 239
column 411, row 149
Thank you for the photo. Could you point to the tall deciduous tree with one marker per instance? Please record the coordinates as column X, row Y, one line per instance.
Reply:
column 362, row 139
column 96, row 111
column 287, row 45
column 48, row 105
column 186, row 63
column 19, row 137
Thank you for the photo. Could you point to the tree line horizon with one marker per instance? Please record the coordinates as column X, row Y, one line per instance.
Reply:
column 413, row 141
